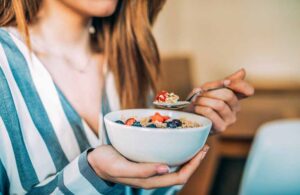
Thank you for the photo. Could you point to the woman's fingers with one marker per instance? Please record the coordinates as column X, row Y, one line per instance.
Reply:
column 219, row 106
column 238, row 75
column 180, row 177
column 218, row 123
column 209, row 85
column 192, row 165
column 213, row 84
column 241, row 87
column 114, row 165
column 225, row 95
column 141, row 175
column 137, row 170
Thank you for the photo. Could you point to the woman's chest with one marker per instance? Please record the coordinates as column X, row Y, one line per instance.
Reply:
column 82, row 89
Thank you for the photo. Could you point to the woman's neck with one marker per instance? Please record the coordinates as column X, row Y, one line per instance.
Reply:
column 60, row 25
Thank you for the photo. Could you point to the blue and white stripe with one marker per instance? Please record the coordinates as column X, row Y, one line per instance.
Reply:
column 43, row 140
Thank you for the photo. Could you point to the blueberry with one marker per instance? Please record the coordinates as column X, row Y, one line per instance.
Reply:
column 177, row 122
column 120, row 122
column 151, row 126
column 137, row 124
column 171, row 124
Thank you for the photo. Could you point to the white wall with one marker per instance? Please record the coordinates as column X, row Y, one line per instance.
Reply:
column 222, row 35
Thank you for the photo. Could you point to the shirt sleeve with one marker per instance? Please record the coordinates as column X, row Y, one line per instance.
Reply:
column 77, row 178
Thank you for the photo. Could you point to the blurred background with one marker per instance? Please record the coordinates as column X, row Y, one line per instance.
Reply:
column 203, row 40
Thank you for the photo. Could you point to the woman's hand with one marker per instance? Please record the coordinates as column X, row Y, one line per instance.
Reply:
column 111, row 166
column 221, row 106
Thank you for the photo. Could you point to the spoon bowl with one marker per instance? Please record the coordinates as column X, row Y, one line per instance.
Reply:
column 172, row 106
column 183, row 104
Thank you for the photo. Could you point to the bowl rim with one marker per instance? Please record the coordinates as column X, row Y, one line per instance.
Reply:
column 202, row 128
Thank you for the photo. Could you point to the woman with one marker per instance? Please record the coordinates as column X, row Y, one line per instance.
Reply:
column 62, row 60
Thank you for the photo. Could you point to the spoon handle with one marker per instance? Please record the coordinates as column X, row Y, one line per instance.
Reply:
column 200, row 91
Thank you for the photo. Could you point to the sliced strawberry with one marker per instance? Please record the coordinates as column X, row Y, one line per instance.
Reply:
column 157, row 117
column 164, row 92
column 130, row 121
column 157, row 96
column 161, row 96
column 166, row 118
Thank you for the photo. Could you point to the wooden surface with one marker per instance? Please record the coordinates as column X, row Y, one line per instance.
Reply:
column 264, row 106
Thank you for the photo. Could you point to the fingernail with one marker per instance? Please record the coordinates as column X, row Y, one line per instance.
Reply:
column 226, row 82
column 206, row 148
column 162, row 169
column 203, row 155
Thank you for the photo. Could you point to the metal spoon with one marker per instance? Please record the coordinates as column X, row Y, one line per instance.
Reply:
column 188, row 100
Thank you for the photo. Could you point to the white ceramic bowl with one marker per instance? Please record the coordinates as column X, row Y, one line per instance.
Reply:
column 170, row 146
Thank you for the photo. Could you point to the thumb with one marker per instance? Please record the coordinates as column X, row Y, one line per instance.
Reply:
column 192, row 165
column 238, row 75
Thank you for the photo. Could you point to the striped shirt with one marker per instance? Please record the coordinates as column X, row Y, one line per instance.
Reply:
column 43, row 140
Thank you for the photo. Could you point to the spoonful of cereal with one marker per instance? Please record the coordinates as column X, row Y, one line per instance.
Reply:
column 168, row 100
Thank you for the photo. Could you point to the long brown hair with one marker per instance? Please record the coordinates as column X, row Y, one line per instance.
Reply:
column 125, row 39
